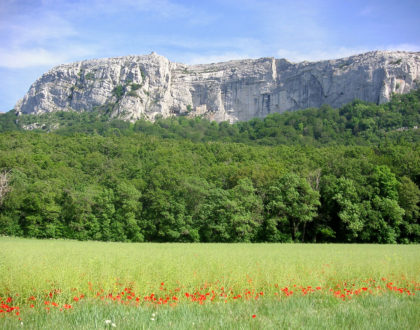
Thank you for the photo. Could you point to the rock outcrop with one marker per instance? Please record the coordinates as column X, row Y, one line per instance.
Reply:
column 134, row 87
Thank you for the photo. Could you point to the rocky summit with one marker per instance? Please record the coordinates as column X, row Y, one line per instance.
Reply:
column 134, row 87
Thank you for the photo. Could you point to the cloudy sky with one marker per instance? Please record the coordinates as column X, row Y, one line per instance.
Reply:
column 36, row 35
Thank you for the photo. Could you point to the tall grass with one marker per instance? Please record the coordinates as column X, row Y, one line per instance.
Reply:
column 36, row 267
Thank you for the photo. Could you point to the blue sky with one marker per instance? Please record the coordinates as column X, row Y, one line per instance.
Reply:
column 36, row 35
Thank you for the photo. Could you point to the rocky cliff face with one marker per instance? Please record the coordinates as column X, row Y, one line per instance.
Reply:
column 134, row 87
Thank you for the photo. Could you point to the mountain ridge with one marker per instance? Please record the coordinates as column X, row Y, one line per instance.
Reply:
column 146, row 86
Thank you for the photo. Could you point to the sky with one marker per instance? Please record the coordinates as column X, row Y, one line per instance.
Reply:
column 36, row 35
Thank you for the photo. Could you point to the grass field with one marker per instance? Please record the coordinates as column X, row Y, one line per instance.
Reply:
column 86, row 285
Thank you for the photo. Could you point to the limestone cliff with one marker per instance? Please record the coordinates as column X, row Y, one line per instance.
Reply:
column 133, row 87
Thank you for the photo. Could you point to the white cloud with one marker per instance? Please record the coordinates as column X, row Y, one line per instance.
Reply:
column 204, row 59
column 330, row 54
column 201, row 51
column 205, row 45
column 27, row 58
column 31, row 57
column 49, row 28
column 46, row 34
column 403, row 47
column 319, row 55
column 38, row 38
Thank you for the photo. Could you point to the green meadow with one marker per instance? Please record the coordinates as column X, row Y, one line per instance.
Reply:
column 147, row 285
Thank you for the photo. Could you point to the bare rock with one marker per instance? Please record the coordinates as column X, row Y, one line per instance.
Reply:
column 134, row 87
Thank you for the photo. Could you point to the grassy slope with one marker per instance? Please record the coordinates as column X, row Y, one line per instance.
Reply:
column 35, row 267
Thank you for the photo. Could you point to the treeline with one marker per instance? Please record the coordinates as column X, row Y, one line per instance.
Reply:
column 356, row 123
column 145, row 188
column 317, row 175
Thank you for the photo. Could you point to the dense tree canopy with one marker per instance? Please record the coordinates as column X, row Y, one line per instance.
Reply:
column 324, row 175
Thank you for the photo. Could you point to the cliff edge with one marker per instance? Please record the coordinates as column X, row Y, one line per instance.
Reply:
column 134, row 87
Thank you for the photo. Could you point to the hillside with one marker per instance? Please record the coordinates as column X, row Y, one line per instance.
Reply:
column 358, row 122
column 326, row 175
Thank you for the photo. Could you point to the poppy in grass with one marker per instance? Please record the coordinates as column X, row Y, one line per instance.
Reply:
column 254, row 316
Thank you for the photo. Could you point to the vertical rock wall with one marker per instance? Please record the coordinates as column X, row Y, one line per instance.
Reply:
column 134, row 87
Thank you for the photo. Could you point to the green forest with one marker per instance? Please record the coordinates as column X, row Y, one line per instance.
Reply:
column 317, row 175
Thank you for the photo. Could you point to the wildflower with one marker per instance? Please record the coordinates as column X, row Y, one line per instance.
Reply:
column 113, row 325
column 254, row 316
column 108, row 321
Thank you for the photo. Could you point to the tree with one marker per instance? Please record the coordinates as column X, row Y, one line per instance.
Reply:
column 128, row 210
column 409, row 200
column 341, row 206
column 292, row 198
column 245, row 211
column 4, row 185
column 214, row 220
column 233, row 215
column 385, row 182
column 40, row 211
column 383, row 216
